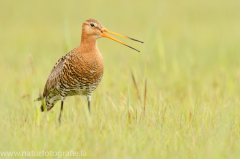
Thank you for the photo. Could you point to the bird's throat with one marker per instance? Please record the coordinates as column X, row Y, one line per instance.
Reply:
column 88, row 44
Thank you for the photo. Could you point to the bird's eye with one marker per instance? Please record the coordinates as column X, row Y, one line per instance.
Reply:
column 92, row 25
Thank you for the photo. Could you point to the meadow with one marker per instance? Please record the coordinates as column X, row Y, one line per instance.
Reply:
column 190, row 57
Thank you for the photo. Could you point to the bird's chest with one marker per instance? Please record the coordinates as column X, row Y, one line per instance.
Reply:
column 85, row 70
column 91, row 67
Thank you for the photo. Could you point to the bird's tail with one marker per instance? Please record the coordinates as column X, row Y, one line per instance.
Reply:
column 47, row 107
column 42, row 109
column 40, row 98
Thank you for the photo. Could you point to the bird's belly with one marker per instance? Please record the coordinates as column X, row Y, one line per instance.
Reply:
column 78, row 86
column 82, row 90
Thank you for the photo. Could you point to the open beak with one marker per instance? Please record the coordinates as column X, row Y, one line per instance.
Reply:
column 110, row 32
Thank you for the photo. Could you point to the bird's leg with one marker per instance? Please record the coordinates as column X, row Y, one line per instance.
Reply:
column 59, row 119
column 89, row 104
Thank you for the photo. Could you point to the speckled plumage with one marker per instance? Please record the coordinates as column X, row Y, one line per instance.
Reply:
column 80, row 71
column 76, row 73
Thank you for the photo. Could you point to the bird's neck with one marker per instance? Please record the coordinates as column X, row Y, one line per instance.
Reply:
column 88, row 44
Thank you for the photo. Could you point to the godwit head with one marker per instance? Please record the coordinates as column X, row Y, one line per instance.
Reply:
column 94, row 29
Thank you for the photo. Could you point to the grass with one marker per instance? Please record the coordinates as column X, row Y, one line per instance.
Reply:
column 190, row 59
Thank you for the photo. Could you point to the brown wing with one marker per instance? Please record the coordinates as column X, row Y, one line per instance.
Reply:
column 54, row 76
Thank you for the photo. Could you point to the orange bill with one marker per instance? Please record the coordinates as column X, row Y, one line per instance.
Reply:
column 110, row 32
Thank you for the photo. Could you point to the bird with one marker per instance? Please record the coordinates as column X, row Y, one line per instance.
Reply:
column 80, row 71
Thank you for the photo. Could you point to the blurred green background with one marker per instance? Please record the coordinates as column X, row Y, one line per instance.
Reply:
column 190, row 57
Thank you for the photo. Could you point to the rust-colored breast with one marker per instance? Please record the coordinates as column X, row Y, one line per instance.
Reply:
column 81, row 73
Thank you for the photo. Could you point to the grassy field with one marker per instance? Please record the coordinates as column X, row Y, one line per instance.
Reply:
column 191, row 59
